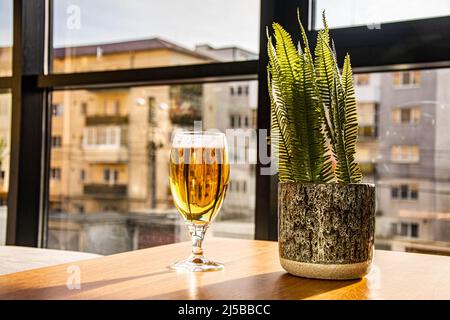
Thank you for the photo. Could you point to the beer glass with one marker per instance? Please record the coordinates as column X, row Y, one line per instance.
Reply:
column 199, row 176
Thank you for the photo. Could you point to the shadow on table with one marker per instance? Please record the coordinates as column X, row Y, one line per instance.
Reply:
column 63, row 292
column 274, row 285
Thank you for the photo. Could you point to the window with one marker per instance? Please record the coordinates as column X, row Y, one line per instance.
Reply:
column 405, row 154
column 133, row 179
column 414, row 230
column 5, row 136
column 372, row 13
column 102, row 137
column 405, row 192
column 110, row 176
column 151, row 110
column 362, row 79
column 57, row 110
column 56, row 142
column 6, row 37
column 84, row 106
column 366, row 131
column 407, row 79
column 120, row 40
column 406, row 115
column 55, row 174
column 138, row 35
column 112, row 107
column 239, row 90
column 406, row 229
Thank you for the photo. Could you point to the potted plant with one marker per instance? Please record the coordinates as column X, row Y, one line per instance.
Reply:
column 326, row 215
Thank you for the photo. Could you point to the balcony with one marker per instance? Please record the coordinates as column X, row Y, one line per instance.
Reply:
column 100, row 190
column 98, row 120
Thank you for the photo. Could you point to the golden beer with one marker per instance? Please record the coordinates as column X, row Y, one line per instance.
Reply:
column 198, row 181
column 199, row 175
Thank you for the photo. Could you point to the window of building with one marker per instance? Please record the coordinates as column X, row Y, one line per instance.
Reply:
column 82, row 175
column 367, row 131
column 55, row 174
column 406, row 115
column 110, row 176
column 405, row 154
column 239, row 90
column 362, row 79
column 232, row 91
column 232, row 121
column 152, row 110
column 405, row 229
column 57, row 110
column 112, row 107
column 405, row 192
column 102, row 137
column 56, row 142
column 254, row 117
column 414, row 230
column 407, row 79
column 84, row 107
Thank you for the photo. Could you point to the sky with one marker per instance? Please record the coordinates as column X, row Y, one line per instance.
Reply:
column 185, row 22
column 191, row 22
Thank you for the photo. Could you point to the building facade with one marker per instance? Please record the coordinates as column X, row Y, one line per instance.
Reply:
column 413, row 162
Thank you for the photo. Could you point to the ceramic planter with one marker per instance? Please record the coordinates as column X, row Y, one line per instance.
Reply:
column 326, row 231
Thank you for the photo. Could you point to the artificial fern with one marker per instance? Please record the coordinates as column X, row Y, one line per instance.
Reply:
column 313, row 110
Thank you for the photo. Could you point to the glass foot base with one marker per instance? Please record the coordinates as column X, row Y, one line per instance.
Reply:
column 197, row 264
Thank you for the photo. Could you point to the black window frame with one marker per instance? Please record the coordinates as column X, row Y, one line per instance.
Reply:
column 31, row 86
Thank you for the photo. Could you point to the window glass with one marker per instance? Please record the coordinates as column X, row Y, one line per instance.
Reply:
column 6, row 37
column 348, row 13
column 5, row 138
column 409, row 156
column 114, row 34
column 108, row 197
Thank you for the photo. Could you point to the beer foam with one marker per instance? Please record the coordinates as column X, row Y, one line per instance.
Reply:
column 198, row 140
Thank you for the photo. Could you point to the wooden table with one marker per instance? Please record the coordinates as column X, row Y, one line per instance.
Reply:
column 252, row 272
column 15, row 259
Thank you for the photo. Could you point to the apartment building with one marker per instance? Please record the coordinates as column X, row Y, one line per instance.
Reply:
column 110, row 148
column 413, row 167
column 233, row 105
column 367, row 91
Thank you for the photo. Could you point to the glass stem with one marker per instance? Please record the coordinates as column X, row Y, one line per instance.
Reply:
column 197, row 235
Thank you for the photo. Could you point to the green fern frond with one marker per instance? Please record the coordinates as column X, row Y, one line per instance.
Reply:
column 313, row 109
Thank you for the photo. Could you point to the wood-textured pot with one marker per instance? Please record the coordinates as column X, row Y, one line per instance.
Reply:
column 326, row 231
